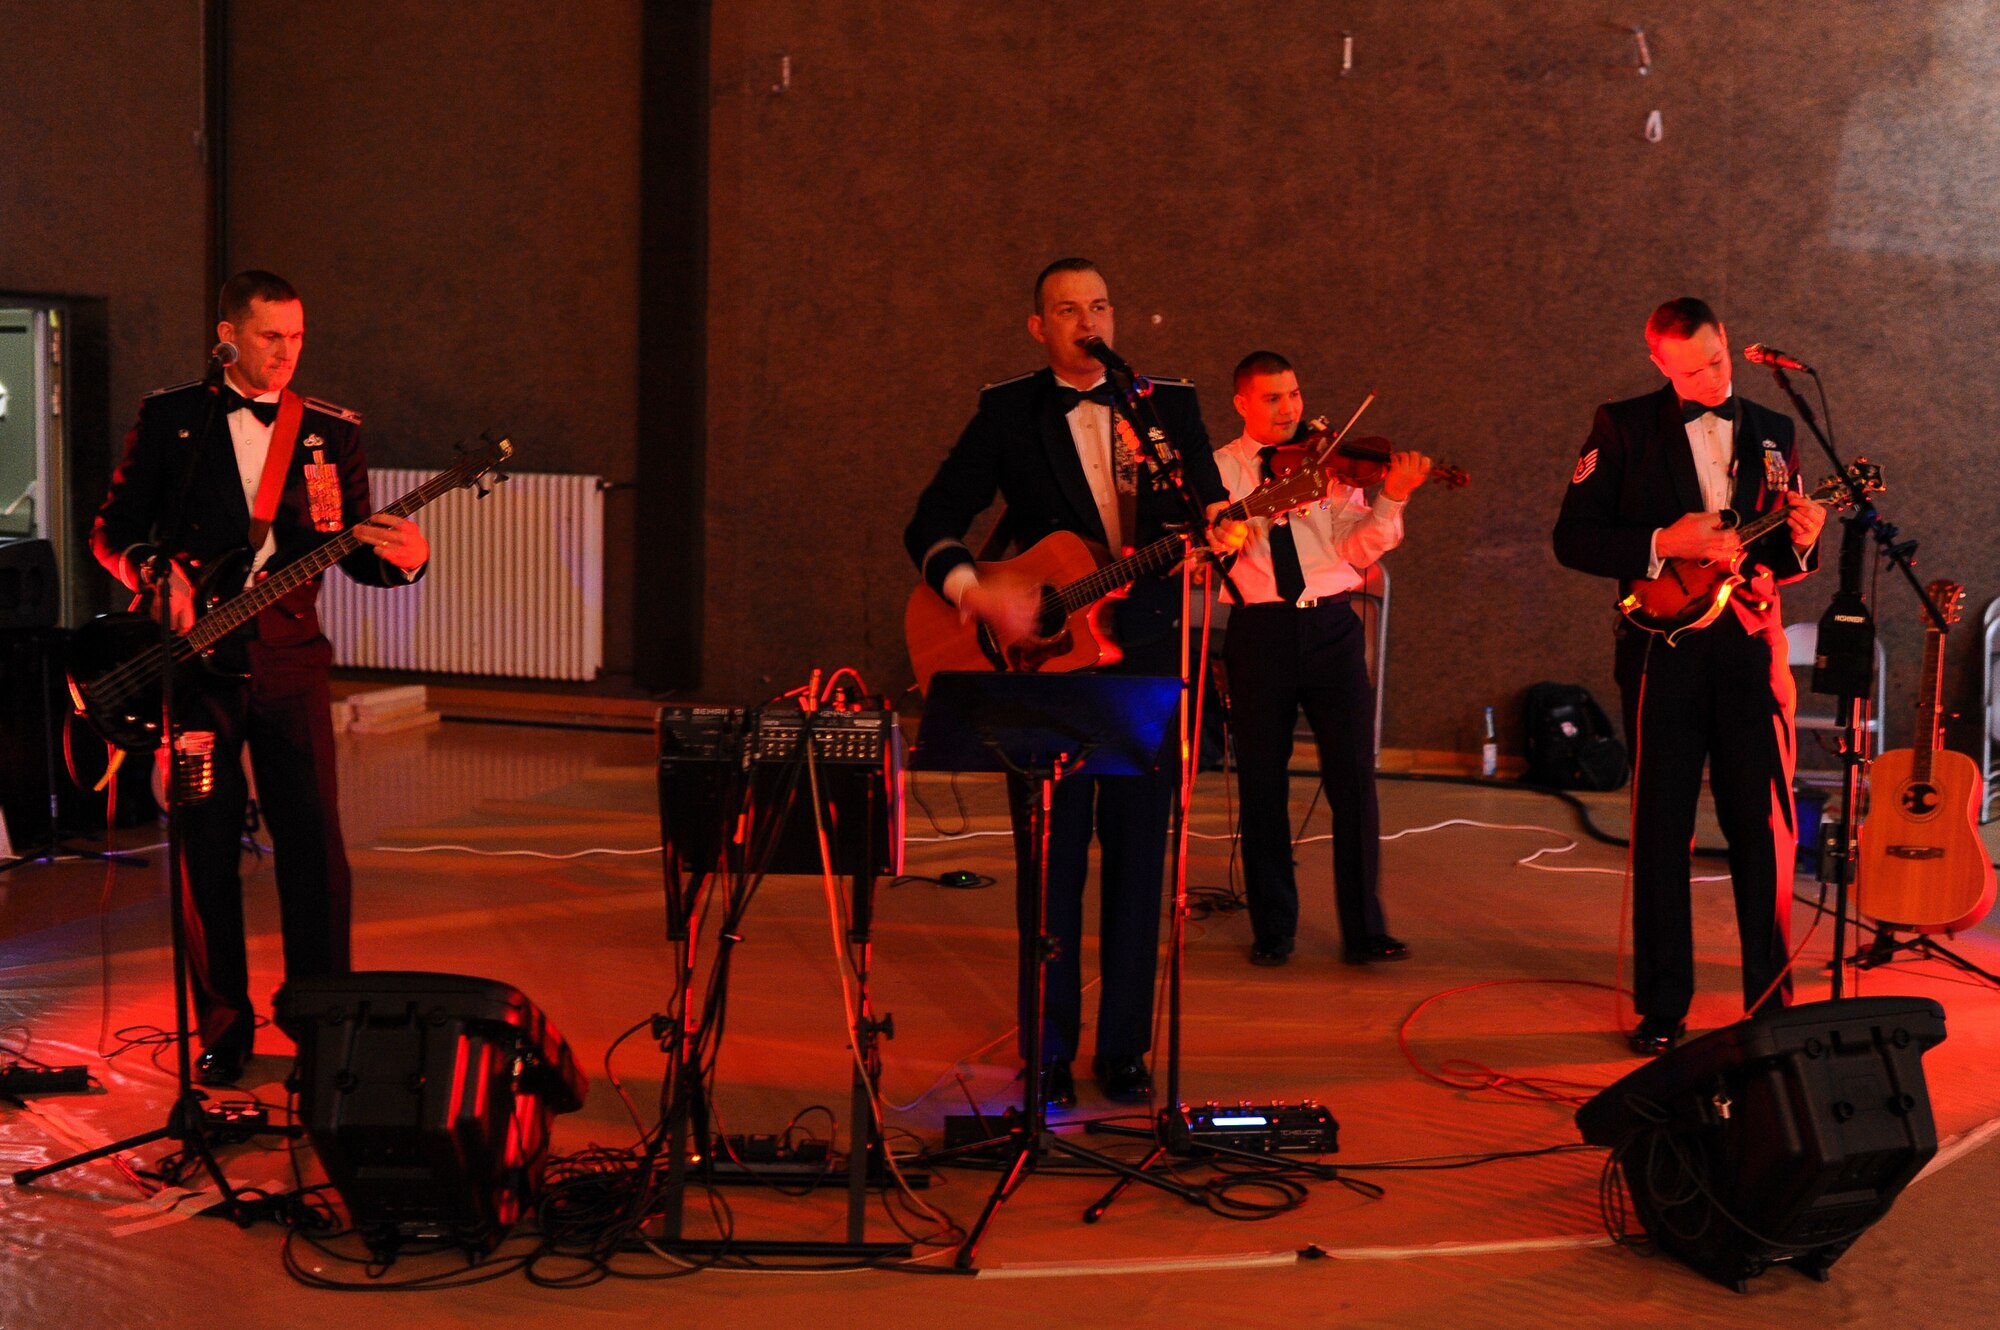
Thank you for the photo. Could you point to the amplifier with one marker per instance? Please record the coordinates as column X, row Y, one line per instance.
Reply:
column 1302, row 1128
column 718, row 764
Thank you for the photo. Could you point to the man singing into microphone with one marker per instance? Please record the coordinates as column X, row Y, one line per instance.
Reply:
column 1049, row 444
column 1651, row 484
column 278, row 474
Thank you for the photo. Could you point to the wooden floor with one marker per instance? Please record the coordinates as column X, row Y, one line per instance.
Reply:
column 1513, row 968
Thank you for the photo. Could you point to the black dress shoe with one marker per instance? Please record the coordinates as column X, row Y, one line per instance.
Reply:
column 1655, row 1035
column 1271, row 953
column 221, row 1066
column 1380, row 947
column 1123, row 1080
column 1058, row 1086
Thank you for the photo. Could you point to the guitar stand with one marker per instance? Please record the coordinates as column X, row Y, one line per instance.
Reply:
column 1886, row 947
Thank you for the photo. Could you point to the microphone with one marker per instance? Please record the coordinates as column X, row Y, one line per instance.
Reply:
column 1759, row 354
column 1110, row 359
column 219, row 359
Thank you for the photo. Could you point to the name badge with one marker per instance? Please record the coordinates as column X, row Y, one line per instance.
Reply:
column 322, row 487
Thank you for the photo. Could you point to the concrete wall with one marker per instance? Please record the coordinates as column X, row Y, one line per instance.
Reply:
column 1472, row 222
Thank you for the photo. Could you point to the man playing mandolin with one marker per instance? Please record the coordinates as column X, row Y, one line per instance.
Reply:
column 1660, row 487
column 1295, row 642
column 203, row 499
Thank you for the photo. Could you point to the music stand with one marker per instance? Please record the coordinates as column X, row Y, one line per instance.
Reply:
column 1042, row 728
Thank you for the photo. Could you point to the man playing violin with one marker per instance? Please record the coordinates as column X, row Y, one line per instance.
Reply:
column 1050, row 445
column 1296, row 642
column 1662, row 477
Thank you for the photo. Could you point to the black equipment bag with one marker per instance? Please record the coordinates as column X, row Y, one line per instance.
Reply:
column 1569, row 739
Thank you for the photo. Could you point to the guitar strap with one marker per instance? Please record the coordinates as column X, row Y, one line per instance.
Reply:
column 277, row 461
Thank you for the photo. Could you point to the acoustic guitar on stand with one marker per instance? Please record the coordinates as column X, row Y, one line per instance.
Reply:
column 1690, row 593
column 1923, row 866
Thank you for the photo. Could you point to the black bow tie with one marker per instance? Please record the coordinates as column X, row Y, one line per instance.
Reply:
column 266, row 412
column 1067, row 397
column 1692, row 411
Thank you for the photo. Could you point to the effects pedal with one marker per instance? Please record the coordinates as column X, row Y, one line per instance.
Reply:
column 1302, row 1128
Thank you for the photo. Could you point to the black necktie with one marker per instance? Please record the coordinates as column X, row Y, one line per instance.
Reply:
column 1285, row 567
column 1693, row 411
column 1067, row 397
column 266, row 412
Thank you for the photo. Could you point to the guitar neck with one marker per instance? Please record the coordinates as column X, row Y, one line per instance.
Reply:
column 226, row 618
column 1930, row 706
column 1152, row 558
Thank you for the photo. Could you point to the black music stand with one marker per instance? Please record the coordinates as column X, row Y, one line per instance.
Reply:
column 1042, row 728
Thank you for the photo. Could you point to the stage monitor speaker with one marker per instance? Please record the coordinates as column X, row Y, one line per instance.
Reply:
column 428, row 1099
column 30, row 586
column 1777, row 1140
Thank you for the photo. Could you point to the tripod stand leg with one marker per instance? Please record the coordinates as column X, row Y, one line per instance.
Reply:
column 27, row 1177
column 1096, row 1212
column 1023, row 1163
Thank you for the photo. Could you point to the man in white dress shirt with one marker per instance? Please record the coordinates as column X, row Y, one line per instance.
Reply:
column 1294, row 643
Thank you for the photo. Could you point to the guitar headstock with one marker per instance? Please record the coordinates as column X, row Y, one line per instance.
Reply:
column 476, row 460
column 1862, row 474
column 1303, row 488
column 1949, row 597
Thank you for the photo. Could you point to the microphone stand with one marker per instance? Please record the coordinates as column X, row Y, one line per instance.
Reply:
column 1844, row 668
column 187, row 1120
column 1167, row 1128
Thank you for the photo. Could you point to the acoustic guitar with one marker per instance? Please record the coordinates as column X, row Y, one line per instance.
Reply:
column 1077, row 578
column 1923, row 866
column 1689, row 594
column 115, row 662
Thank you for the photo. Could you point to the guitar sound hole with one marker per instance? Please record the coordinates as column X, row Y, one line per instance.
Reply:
column 1919, row 799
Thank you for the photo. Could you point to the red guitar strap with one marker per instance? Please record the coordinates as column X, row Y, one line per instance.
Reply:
column 277, row 461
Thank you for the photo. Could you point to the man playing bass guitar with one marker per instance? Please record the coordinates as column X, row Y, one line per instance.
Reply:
column 1661, row 477
column 204, row 498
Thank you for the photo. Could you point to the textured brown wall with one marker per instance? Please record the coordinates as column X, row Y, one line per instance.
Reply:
column 1472, row 222
column 454, row 189
column 101, row 179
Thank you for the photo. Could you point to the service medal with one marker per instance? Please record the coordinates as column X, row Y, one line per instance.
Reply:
column 322, row 487
column 1777, row 476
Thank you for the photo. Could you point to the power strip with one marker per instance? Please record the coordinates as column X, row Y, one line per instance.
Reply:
column 16, row 1079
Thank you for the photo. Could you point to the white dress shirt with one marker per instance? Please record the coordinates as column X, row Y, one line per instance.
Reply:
column 1335, row 539
column 252, row 439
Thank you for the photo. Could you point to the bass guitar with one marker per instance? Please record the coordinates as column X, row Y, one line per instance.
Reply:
column 115, row 662
column 1923, row 866
column 1690, row 594
column 1075, row 581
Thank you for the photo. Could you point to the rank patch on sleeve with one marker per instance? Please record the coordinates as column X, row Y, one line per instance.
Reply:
column 1584, row 466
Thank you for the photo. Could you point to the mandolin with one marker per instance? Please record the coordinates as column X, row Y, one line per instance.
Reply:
column 1690, row 594
column 115, row 662
column 1923, row 866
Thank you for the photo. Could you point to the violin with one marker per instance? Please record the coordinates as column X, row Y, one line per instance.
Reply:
column 1359, row 463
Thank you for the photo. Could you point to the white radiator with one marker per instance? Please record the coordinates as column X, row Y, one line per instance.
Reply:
column 515, row 586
